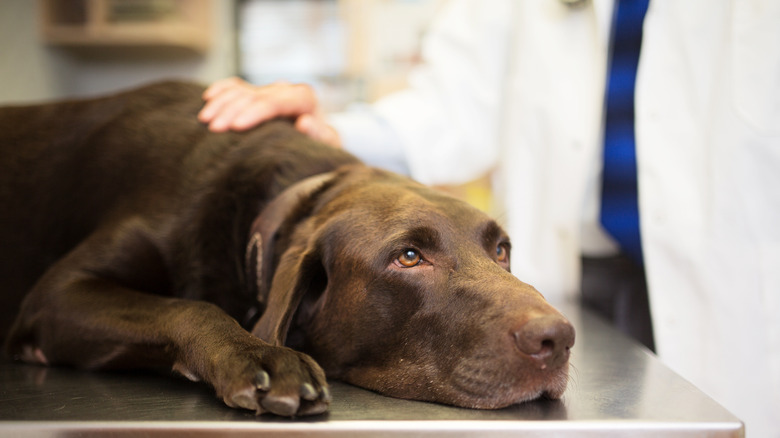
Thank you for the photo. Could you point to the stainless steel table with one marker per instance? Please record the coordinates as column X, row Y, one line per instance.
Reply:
column 618, row 389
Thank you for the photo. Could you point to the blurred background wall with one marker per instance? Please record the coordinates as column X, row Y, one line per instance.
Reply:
column 33, row 67
column 348, row 49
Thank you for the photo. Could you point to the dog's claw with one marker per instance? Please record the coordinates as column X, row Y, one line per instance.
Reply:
column 308, row 392
column 326, row 397
column 274, row 380
column 314, row 403
column 262, row 381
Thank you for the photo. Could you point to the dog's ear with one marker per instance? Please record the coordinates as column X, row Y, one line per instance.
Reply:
column 300, row 274
column 282, row 230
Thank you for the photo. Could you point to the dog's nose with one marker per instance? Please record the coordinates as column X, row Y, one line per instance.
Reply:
column 546, row 340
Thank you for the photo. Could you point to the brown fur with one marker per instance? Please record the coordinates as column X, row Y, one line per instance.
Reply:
column 130, row 236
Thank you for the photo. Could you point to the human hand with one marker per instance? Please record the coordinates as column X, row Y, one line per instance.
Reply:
column 234, row 104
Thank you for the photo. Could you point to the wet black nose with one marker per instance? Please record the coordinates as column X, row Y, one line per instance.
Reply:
column 546, row 340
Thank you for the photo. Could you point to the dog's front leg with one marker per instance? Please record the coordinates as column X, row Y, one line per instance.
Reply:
column 78, row 319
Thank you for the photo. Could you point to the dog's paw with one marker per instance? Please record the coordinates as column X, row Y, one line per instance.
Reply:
column 272, row 379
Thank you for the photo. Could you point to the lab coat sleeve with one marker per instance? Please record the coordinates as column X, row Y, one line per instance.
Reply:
column 369, row 137
column 443, row 128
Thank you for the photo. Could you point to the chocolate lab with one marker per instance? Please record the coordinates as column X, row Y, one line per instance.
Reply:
column 259, row 262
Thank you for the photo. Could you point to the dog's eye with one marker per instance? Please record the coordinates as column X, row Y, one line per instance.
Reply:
column 502, row 253
column 409, row 258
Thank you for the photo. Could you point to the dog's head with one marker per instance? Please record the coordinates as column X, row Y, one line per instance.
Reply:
column 401, row 289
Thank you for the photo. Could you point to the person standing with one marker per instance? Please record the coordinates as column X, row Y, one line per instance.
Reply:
column 517, row 88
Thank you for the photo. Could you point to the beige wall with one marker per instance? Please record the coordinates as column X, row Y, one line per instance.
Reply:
column 32, row 71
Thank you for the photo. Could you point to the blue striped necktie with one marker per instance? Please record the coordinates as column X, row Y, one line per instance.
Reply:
column 619, row 203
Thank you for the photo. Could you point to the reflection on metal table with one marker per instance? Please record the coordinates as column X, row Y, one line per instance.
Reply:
column 617, row 388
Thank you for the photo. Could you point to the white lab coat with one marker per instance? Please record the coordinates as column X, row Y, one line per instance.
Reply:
column 517, row 88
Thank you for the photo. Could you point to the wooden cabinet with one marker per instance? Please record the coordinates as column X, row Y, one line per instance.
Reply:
column 115, row 23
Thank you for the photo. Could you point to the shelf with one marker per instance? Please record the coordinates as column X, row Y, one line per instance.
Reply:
column 127, row 23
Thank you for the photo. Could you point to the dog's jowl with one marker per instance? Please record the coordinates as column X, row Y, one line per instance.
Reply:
column 259, row 262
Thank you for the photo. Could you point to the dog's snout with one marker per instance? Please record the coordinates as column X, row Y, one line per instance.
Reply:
column 546, row 340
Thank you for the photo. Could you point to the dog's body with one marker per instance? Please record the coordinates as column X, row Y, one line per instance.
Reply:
column 133, row 237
